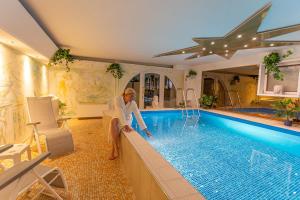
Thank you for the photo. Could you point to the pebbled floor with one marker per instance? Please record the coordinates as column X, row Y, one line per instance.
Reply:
column 90, row 175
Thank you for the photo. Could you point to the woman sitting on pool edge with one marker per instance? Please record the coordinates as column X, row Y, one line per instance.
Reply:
column 121, row 121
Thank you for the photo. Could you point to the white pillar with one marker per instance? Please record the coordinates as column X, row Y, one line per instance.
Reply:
column 142, row 90
column 198, row 84
column 161, row 90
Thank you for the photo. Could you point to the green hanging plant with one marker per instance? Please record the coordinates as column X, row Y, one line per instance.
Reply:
column 235, row 79
column 271, row 62
column 191, row 74
column 116, row 70
column 62, row 56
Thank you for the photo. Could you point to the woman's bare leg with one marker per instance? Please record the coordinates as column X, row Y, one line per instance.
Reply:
column 115, row 138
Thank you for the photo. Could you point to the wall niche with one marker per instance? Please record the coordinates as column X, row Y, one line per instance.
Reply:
column 288, row 87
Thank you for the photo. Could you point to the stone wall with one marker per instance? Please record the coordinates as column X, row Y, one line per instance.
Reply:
column 246, row 87
column 20, row 76
column 87, row 85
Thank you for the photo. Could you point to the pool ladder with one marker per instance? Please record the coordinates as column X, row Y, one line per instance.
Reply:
column 184, row 109
column 238, row 99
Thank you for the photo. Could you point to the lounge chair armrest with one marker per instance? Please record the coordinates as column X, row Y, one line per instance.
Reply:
column 5, row 147
column 33, row 123
column 19, row 170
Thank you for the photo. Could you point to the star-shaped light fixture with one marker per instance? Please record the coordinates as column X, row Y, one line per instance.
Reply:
column 244, row 36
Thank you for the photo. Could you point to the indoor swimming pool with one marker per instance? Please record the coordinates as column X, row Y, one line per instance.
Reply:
column 228, row 158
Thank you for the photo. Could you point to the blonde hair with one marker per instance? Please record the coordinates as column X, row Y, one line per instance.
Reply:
column 129, row 91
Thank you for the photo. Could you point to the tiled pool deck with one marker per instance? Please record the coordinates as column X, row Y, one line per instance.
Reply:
column 271, row 122
column 90, row 175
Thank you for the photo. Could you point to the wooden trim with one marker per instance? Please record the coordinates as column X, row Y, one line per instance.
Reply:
column 87, row 118
column 108, row 60
column 233, row 73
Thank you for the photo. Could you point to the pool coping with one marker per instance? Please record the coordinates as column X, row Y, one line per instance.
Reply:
column 259, row 121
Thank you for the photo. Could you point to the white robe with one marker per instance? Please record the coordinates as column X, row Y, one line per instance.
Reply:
column 123, row 112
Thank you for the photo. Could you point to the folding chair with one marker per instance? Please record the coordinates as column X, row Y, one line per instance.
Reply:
column 21, row 177
column 41, row 115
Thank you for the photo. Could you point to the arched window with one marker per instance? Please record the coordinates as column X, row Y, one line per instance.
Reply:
column 169, row 94
column 135, row 84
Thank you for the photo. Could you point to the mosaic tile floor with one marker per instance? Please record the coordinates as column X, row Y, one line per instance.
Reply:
column 90, row 175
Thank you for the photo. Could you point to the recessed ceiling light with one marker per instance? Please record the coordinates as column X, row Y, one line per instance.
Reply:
column 210, row 52
column 254, row 38
column 226, row 54
column 226, row 51
column 246, row 45
column 225, row 45
column 183, row 52
column 203, row 48
column 271, row 45
column 239, row 36
column 212, row 43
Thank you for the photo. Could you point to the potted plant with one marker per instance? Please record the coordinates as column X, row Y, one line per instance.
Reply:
column 62, row 56
column 235, row 79
column 297, row 114
column 191, row 74
column 181, row 104
column 117, row 72
column 62, row 107
column 286, row 108
column 271, row 62
column 207, row 101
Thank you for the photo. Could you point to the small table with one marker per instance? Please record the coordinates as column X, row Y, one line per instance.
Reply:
column 15, row 153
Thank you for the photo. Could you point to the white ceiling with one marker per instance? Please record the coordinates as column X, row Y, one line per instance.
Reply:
column 137, row 30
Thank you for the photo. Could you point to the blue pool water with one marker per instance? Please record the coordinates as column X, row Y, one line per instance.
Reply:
column 227, row 158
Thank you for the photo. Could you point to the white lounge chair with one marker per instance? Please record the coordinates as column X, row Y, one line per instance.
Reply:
column 59, row 140
column 23, row 176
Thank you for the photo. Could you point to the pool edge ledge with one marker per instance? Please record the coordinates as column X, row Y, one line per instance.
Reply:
column 255, row 120
column 151, row 176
